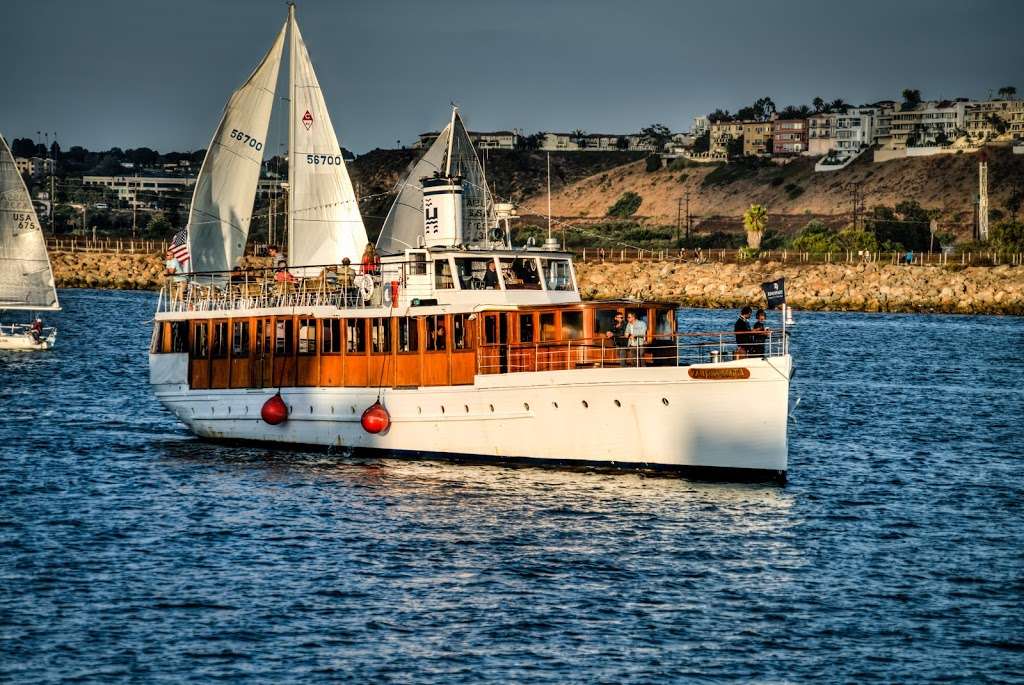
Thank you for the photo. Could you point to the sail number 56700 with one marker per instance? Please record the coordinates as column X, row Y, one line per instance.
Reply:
column 246, row 139
column 330, row 160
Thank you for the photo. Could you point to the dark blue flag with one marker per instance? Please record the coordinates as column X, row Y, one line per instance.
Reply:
column 775, row 292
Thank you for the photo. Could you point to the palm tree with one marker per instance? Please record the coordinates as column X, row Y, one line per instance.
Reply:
column 754, row 220
column 1007, row 92
column 837, row 105
column 579, row 136
column 819, row 104
column 911, row 98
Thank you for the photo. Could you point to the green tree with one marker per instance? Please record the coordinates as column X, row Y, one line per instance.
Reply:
column 837, row 105
column 656, row 135
column 579, row 136
column 1009, row 235
column 819, row 104
column 1007, row 92
column 816, row 238
column 702, row 143
column 755, row 220
column 626, row 205
column 159, row 226
column 911, row 98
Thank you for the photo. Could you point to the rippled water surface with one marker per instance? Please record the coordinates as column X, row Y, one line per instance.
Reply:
column 130, row 551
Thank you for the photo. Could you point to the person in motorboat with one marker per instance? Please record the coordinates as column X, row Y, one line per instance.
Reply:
column 37, row 330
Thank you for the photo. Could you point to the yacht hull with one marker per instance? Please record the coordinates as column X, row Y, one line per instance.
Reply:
column 24, row 342
column 658, row 418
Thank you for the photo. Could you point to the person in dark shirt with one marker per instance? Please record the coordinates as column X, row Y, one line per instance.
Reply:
column 743, row 334
column 759, row 335
column 491, row 277
column 619, row 337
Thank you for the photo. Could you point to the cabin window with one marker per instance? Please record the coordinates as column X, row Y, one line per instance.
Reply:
column 283, row 337
column 526, row 328
column 604, row 319
column 307, row 336
column 547, row 326
column 331, row 336
column 200, row 341
column 437, row 333
column 443, row 274
column 240, row 339
column 408, row 334
column 263, row 345
column 417, row 263
column 473, row 272
column 558, row 274
column 665, row 324
column 462, row 332
column 520, row 273
column 380, row 335
column 355, row 335
column 572, row 325
column 179, row 336
column 220, row 339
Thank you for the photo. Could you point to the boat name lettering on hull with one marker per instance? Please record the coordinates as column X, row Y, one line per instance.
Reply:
column 729, row 374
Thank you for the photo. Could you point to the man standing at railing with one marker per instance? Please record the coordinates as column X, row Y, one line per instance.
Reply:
column 743, row 332
column 759, row 336
column 619, row 337
column 636, row 332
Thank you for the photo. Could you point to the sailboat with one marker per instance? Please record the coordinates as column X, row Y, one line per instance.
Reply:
column 457, row 345
column 26, row 278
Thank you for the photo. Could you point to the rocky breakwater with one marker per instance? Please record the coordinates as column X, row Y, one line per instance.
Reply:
column 121, row 271
column 826, row 287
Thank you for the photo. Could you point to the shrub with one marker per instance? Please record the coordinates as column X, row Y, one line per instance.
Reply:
column 626, row 205
column 653, row 163
column 1009, row 235
column 815, row 237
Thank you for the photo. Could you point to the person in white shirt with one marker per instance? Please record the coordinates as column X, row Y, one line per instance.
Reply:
column 636, row 333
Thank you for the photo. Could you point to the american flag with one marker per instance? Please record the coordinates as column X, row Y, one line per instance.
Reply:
column 179, row 247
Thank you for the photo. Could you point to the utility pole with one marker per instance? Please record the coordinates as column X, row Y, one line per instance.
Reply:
column 679, row 218
column 135, row 205
column 687, row 215
column 982, row 197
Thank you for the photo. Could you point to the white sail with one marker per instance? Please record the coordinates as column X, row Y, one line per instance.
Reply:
column 26, row 279
column 403, row 226
column 324, row 223
column 451, row 154
column 218, row 223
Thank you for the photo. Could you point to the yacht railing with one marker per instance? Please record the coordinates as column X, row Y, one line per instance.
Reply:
column 676, row 349
column 266, row 288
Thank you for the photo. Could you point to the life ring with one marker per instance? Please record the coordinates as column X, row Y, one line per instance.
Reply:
column 364, row 283
column 497, row 235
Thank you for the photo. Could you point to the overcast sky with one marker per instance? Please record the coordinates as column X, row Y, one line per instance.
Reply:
column 158, row 72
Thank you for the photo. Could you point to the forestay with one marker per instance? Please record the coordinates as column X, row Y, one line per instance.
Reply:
column 222, row 203
column 324, row 223
column 26, row 280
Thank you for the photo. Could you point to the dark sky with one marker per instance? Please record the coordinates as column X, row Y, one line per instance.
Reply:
column 158, row 72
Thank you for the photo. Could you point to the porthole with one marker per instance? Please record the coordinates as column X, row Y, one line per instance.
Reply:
column 618, row 404
column 467, row 408
column 311, row 409
column 555, row 405
column 247, row 409
column 664, row 400
column 442, row 408
column 332, row 408
column 353, row 410
column 193, row 411
column 419, row 410
column 492, row 407
column 526, row 406
column 229, row 409
column 585, row 405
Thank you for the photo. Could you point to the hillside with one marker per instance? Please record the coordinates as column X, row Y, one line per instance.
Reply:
column 719, row 194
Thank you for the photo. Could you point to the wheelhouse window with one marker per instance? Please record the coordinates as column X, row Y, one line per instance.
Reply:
column 437, row 333
column 200, row 341
column 462, row 332
column 179, row 336
column 572, row 325
column 526, row 328
column 547, row 326
column 220, row 339
column 380, row 336
column 331, row 336
column 240, row 338
column 604, row 319
column 263, row 343
column 520, row 273
column 355, row 335
column 473, row 273
column 443, row 279
column 408, row 334
column 283, row 336
column 307, row 336
column 665, row 323
column 558, row 274
column 417, row 263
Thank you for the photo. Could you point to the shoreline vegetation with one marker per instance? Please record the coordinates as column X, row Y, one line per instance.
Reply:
column 870, row 287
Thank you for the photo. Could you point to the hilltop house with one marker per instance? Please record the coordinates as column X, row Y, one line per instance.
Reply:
column 989, row 119
column 789, row 137
column 489, row 140
column 34, row 166
column 821, row 133
column 596, row 142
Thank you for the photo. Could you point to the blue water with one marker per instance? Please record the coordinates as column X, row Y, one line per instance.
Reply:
column 130, row 551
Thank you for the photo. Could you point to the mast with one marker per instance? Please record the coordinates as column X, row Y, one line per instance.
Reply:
column 451, row 139
column 291, row 122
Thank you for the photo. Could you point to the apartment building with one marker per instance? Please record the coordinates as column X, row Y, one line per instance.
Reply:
column 723, row 133
column 789, row 137
column 925, row 124
column 482, row 140
column 821, row 133
column 757, row 138
column 700, row 126
column 988, row 119
column 140, row 190
column 595, row 142
column 34, row 166
column 854, row 130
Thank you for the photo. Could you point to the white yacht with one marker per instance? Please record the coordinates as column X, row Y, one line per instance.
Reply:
column 457, row 346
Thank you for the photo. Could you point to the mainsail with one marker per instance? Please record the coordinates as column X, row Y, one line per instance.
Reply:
column 451, row 154
column 324, row 223
column 26, row 280
column 218, row 223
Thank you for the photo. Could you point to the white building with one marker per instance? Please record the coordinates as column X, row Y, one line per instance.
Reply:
column 596, row 142
column 701, row 125
column 490, row 140
column 854, row 130
column 128, row 188
column 34, row 166
column 924, row 125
